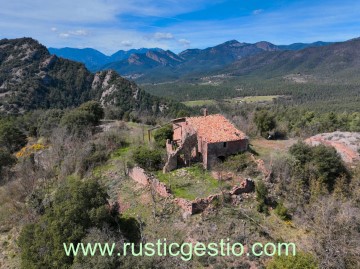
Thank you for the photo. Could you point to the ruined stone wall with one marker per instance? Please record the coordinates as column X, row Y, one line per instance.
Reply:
column 139, row 175
column 245, row 187
column 189, row 207
column 187, row 150
column 160, row 187
column 177, row 128
column 261, row 166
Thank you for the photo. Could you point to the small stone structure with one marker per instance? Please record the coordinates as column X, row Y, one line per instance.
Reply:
column 209, row 138
column 189, row 207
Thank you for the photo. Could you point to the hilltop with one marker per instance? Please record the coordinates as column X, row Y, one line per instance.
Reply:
column 32, row 78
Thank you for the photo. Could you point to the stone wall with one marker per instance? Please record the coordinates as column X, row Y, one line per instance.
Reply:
column 261, row 166
column 245, row 187
column 139, row 175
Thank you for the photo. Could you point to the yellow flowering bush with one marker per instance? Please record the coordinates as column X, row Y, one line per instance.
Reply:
column 28, row 150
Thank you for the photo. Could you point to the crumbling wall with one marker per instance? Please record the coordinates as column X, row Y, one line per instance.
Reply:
column 261, row 166
column 160, row 187
column 186, row 148
column 245, row 187
column 139, row 175
column 189, row 207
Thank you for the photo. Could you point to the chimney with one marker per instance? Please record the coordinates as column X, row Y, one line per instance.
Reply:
column 205, row 112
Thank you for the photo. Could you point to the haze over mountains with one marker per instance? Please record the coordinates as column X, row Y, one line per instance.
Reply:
column 137, row 63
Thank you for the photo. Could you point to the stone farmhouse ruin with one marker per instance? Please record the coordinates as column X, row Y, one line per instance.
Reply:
column 208, row 139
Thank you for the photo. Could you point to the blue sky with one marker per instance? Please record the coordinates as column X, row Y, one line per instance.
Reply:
column 110, row 25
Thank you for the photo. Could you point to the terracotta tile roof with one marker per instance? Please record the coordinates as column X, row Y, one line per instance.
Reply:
column 215, row 128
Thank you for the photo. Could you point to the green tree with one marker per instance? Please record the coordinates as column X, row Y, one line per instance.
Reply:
column 321, row 164
column 77, row 206
column 301, row 152
column 95, row 109
column 76, row 121
column 6, row 160
column 162, row 134
column 11, row 137
column 328, row 164
column 265, row 121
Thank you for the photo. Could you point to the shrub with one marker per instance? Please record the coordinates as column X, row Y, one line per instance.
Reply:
column 48, row 121
column 162, row 134
column 95, row 109
column 77, row 206
column 261, row 197
column 300, row 261
column 75, row 121
column 282, row 211
column 150, row 159
column 320, row 162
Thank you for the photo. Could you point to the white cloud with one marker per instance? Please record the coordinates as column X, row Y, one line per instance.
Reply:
column 53, row 29
column 163, row 36
column 258, row 11
column 73, row 33
column 184, row 42
column 126, row 43
column 64, row 35
column 78, row 33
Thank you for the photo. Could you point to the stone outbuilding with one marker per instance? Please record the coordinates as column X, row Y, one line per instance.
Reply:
column 207, row 139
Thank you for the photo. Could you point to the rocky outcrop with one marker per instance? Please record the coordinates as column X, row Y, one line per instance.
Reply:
column 347, row 144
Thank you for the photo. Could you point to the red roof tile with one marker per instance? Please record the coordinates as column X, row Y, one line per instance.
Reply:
column 215, row 128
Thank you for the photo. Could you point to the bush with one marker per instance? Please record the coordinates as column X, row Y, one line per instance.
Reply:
column 162, row 134
column 149, row 159
column 77, row 206
column 319, row 162
column 76, row 121
column 261, row 197
column 300, row 261
column 282, row 212
column 95, row 109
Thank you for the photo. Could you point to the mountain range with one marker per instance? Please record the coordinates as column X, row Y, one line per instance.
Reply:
column 157, row 64
column 32, row 78
column 93, row 59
